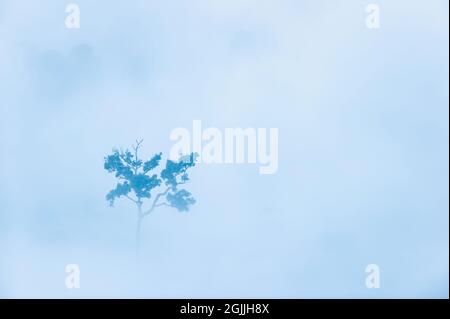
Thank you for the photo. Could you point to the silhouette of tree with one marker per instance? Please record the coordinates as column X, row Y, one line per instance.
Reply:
column 137, row 181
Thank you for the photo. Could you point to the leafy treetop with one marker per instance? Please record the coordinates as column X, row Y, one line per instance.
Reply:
column 137, row 179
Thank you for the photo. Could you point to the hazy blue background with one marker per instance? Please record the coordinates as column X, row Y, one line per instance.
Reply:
column 363, row 149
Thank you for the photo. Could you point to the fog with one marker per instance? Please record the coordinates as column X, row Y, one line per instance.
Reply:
column 363, row 143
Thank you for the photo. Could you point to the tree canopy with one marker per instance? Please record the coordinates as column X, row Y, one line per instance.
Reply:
column 137, row 178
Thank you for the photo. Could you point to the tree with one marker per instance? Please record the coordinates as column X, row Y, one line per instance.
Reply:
column 138, row 180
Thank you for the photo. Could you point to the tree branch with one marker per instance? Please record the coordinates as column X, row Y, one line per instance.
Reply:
column 136, row 149
column 155, row 202
column 130, row 198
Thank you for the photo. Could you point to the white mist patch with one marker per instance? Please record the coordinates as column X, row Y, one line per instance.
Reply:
column 232, row 146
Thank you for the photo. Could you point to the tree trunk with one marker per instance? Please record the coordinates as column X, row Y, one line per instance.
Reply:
column 138, row 230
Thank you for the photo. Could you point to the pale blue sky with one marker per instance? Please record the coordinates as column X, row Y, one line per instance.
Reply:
column 363, row 147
